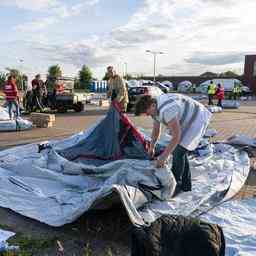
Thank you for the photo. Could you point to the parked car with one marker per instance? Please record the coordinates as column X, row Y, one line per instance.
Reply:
column 169, row 84
column 228, row 84
column 67, row 99
column 163, row 87
column 136, row 93
column 185, row 86
column 246, row 91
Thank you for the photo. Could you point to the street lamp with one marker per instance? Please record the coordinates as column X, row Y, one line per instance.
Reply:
column 155, row 53
column 125, row 70
column 22, row 85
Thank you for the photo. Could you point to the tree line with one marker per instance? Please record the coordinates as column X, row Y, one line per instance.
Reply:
column 82, row 81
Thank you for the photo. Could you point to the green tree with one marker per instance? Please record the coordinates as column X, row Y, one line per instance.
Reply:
column 229, row 73
column 105, row 77
column 2, row 80
column 85, row 77
column 128, row 77
column 53, row 73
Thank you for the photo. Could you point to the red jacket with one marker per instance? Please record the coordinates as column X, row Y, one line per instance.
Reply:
column 11, row 91
column 220, row 93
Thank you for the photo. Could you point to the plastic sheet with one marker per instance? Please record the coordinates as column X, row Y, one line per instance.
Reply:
column 12, row 125
column 4, row 236
column 214, row 109
column 32, row 181
column 230, row 104
column 237, row 218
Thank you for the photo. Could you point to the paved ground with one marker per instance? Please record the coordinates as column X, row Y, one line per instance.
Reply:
column 92, row 231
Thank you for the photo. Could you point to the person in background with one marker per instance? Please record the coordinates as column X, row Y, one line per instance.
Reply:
column 236, row 91
column 211, row 92
column 37, row 91
column 187, row 120
column 11, row 95
column 194, row 88
column 117, row 89
column 25, row 82
column 220, row 94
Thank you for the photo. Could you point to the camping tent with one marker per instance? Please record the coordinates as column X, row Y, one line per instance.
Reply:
column 169, row 84
column 109, row 162
column 184, row 86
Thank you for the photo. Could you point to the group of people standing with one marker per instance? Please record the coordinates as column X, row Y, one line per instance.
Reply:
column 36, row 98
column 219, row 92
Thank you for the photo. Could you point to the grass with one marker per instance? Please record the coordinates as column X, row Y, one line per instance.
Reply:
column 28, row 246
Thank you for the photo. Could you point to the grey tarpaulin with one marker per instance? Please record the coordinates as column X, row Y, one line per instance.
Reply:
column 237, row 218
column 230, row 104
column 214, row 109
column 69, row 177
column 12, row 125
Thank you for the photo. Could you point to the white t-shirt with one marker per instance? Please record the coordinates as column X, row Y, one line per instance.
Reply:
column 193, row 116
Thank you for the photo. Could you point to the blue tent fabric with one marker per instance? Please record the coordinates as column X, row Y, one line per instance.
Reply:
column 112, row 139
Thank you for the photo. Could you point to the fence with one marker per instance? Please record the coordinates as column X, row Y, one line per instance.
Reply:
column 99, row 86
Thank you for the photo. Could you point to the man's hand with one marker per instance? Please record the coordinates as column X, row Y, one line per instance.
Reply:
column 151, row 150
column 162, row 161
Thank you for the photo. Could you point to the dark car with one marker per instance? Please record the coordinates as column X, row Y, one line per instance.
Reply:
column 135, row 93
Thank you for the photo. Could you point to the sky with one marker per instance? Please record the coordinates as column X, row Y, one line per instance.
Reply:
column 195, row 35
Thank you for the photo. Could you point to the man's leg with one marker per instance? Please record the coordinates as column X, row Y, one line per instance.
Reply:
column 186, row 178
column 209, row 99
column 180, row 168
column 9, row 105
column 17, row 108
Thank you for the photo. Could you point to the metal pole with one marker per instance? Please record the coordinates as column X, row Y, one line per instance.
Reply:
column 154, row 67
column 154, row 54
column 125, row 64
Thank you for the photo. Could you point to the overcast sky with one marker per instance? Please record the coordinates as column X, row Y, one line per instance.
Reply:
column 196, row 35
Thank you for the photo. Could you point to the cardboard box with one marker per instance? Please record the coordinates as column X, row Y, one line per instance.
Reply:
column 42, row 120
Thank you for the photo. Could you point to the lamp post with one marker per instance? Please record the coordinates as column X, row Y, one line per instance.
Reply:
column 22, row 85
column 155, row 53
column 125, row 70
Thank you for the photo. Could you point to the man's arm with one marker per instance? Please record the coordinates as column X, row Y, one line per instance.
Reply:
column 174, row 126
column 154, row 136
column 109, row 90
column 121, row 89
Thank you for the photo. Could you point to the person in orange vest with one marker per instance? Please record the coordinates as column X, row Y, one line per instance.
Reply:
column 11, row 96
column 220, row 94
column 59, row 87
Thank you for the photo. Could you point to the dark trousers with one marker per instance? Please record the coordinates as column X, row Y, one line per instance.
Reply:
column 210, row 99
column 180, row 168
column 219, row 103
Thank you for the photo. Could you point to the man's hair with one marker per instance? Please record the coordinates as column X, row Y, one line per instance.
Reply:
column 110, row 67
column 10, row 77
column 143, row 104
